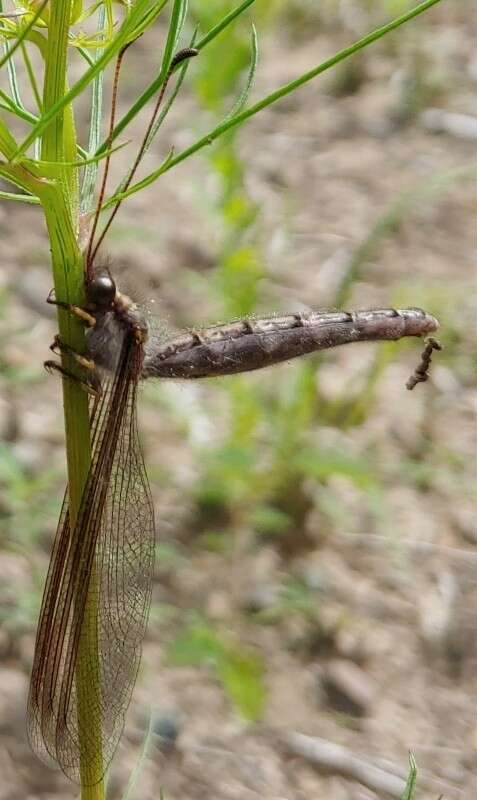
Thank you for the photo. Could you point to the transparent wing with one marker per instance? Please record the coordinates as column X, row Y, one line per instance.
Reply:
column 97, row 595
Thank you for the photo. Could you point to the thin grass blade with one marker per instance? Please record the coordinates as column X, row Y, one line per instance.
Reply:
column 174, row 31
column 163, row 114
column 84, row 162
column 136, row 773
column 185, row 10
column 411, row 782
column 21, row 198
column 224, row 23
column 148, row 19
column 241, row 101
column 120, row 195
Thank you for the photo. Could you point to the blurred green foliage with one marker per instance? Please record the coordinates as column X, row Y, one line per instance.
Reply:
column 21, row 529
column 21, row 490
column 239, row 668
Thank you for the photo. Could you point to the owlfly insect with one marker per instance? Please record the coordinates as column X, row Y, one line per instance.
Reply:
column 113, row 535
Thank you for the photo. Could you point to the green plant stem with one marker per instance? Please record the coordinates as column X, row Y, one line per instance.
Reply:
column 60, row 203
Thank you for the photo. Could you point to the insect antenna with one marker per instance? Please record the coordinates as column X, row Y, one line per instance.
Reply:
column 182, row 55
column 114, row 97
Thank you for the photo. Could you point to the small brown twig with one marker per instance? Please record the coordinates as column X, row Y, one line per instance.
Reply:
column 421, row 373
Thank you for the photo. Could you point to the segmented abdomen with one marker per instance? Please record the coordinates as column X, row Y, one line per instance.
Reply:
column 251, row 344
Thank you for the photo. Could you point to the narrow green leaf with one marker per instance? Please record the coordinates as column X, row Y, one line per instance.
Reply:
column 20, row 198
column 147, row 20
column 7, row 141
column 84, row 52
column 176, row 23
column 183, row 17
column 140, row 184
column 136, row 773
column 18, row 111
column 224, row 23
column 12, row 14
column 408, row 792
column 94, row 159
column 12, row 78
column 178, row 84
column 18, row 177
column 88, row 12
column 173, row 33
column 250, row 78
column 9, row 106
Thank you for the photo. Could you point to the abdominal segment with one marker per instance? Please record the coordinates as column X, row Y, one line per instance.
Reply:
column 252, row 344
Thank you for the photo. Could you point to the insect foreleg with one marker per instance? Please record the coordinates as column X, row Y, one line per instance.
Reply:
column 75, row 310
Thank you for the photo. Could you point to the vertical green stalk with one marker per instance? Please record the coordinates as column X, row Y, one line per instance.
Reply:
column 61, row 203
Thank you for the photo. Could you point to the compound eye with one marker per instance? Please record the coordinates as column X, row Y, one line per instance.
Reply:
column 102, row 291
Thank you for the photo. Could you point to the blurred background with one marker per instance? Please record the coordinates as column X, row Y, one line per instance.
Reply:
column 316, row 553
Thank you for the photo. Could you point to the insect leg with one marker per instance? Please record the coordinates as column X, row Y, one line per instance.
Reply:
column 93, row 387
column 75, row 310
column 58, row 347
column 93, row 383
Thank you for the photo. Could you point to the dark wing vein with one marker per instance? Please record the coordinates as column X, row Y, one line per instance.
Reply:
column 113, row 541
